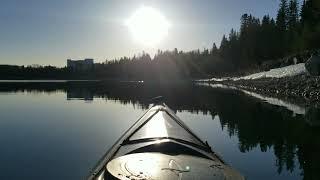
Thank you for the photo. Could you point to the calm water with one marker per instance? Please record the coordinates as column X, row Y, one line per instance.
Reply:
column 59, row 130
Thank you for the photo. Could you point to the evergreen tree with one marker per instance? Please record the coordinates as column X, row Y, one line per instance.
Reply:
column 282, row 16
column 303, row 13
column 265, row 39
column 310, row 13
column 233, row 37
column 282, row 26
column 214, row 49
column 310, row 22
column 244, row 24
column 223, row 44
column 293, row 38
column 293, row 15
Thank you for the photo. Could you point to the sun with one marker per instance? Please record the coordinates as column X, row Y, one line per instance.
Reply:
column 148, row 26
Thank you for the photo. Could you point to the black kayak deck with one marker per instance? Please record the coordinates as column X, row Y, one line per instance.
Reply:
column 158, row 130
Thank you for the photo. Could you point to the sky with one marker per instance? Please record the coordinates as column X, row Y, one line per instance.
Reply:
column 47, row 32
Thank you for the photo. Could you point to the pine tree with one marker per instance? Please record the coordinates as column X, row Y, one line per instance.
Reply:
column 303, row 13
column 214, row 49
column 224, row 42
column 293, row 15
column 282, row 26
column 233, row 36
column 265, row 20
column 244, row 23
column 223, row 50
column 310, row 22
column 293, row 43
column 282, row 16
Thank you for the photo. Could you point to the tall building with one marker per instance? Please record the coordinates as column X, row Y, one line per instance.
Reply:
column 80, row 65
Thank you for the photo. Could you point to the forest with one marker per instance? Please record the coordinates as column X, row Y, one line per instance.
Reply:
column 295, row 29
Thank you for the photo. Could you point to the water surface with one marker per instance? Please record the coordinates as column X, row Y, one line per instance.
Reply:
column 59, row 130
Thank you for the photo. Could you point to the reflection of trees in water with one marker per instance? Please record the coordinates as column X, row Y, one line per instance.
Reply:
column 255, row 123
column 258, row 124
column 262, row 125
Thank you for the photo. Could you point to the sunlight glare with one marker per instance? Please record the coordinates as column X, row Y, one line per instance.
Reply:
column 157, row 127
column 148, row 26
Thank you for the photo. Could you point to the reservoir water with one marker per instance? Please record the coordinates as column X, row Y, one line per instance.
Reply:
column 59, row 130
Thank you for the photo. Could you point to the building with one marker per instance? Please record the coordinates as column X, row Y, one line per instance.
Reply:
column 80, row 65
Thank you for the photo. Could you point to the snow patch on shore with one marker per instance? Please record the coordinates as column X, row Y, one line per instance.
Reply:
column 288, row 71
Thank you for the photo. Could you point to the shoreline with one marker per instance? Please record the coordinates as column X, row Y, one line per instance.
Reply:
column 302, row 89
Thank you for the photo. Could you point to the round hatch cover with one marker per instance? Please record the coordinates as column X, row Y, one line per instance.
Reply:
column 143, row 166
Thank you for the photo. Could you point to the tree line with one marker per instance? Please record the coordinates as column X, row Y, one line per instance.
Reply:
column 296, row 28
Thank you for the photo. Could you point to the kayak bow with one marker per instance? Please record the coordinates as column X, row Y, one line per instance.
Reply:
column 160, row 146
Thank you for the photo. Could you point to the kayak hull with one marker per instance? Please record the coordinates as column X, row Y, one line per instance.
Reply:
column 160, row 146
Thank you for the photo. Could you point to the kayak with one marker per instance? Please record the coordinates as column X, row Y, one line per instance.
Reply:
column 160, row 146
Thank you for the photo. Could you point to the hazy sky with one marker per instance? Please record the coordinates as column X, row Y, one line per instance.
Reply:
column 50, row 31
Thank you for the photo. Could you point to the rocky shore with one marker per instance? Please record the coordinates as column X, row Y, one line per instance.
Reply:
column 303, row 88
column 299, row 89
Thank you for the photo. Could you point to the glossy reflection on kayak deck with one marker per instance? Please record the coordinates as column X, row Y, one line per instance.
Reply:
column 156, row 127
column 162, row 125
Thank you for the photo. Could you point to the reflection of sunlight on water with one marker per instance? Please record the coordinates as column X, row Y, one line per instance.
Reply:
column 156, row 127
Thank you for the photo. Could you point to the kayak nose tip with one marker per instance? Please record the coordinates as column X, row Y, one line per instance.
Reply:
column 157, row 100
